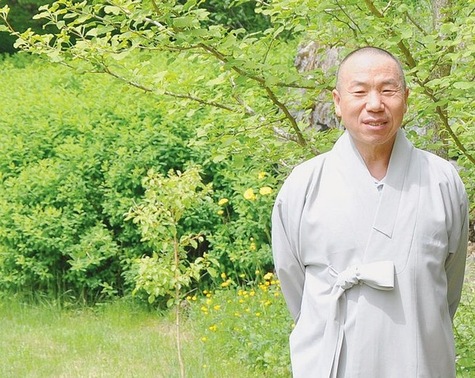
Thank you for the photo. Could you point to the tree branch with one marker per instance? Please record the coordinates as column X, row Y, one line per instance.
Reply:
column 407, row 54
column 415, row 23
column 168, row 93
column 262, row 82
column 445, row 122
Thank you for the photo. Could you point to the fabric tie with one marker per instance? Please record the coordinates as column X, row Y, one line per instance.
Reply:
column 378, row 275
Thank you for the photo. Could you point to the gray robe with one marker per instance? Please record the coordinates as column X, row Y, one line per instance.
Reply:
column 371, row 277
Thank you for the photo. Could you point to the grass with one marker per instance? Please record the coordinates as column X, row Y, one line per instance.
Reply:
column 229, row 333
column 465, row 324
column 117, row 340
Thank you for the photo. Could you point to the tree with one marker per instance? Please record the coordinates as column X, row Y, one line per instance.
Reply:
column 253, row 81
column 21, row 18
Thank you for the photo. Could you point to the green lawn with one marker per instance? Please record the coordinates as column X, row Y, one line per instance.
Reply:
column 115, row 341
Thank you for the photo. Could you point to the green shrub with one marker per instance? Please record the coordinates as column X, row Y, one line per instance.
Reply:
column 75, row 151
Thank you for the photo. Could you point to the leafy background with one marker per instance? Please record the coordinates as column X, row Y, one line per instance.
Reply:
column 107, row 99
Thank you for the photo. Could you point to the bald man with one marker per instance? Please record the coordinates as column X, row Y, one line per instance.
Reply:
column 370, row 240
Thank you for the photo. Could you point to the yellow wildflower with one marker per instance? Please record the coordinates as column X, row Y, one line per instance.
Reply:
column 261, row 175
column 249, row 194
column 268, row 276
column 253, row 247
column 217, row 307
column 213, row 328
column 204, row 338
column 265, row 190
column 223, row 275
column 220, row 212
column 223, row 201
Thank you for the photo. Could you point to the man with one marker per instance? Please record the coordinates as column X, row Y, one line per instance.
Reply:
column 370, row 240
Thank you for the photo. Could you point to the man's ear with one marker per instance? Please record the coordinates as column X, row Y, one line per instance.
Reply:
column 406, row 96
column 336, row 101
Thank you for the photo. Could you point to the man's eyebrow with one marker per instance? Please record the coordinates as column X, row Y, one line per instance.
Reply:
column 356, row 83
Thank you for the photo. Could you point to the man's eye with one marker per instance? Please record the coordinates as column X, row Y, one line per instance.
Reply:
column 359, row 93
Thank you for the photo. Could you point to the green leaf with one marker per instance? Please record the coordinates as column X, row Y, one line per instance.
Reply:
column 464, row 85
column 110, row 9
column 184, row 22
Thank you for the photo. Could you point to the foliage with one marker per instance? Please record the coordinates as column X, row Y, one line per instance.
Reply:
column 169, row 272
column 21, row 18
column 234, row 14
column 70, row 171
column 225, row 97
column 248, row 323
column 254, row 78
column 74, row 162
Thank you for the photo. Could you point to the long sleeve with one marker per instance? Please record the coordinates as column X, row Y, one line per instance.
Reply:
column 455, row 263
column 289, row 268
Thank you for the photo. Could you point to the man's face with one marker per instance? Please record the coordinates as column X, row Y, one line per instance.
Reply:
column 371, row 100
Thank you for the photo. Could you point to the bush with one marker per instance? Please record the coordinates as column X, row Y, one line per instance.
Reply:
column 76, row 149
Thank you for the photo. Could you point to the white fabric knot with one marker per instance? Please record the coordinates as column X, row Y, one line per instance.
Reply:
column 378, row 275
column 348, row 278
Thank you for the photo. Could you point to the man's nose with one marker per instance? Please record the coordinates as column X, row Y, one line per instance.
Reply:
column 374, row 102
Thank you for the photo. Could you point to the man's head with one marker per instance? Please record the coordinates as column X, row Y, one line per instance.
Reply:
column 371, row 96
column 373, row 51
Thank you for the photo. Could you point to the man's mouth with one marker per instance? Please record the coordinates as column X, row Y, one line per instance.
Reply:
column 375, row 123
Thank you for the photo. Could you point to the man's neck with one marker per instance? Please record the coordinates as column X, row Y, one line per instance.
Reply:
column 376, row 159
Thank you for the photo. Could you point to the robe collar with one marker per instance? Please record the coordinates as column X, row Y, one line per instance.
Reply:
column 390, row 197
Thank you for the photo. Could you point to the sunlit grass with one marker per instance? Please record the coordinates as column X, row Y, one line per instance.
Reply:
column 117, row 340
